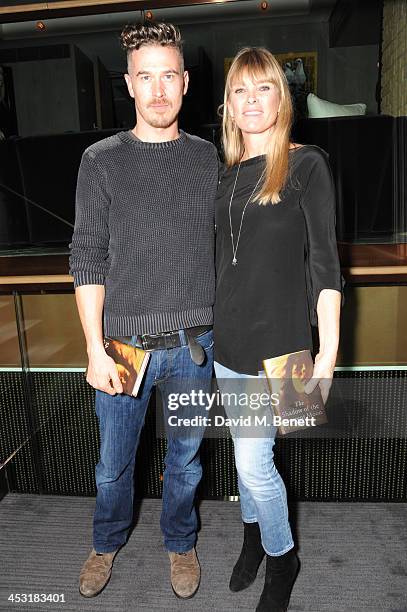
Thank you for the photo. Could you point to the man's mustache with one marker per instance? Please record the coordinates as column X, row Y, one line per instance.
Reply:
column 159, row 101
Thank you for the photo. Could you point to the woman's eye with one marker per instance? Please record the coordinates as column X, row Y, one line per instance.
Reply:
column 239, row 90
column 264, row 87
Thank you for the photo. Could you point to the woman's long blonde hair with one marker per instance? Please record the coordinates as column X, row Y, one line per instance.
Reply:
column 259, row 64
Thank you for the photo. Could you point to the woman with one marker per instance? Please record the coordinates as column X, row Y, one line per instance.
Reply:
column 277, row 272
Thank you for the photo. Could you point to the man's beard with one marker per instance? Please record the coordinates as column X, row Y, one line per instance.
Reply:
column 161, row 119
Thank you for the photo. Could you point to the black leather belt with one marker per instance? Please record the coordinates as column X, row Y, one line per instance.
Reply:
column 173, row 339
column 165, row 340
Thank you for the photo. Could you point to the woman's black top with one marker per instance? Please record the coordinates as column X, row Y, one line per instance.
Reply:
column 287, row 254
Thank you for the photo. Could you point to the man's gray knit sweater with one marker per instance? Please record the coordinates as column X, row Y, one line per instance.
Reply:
column 144, row 229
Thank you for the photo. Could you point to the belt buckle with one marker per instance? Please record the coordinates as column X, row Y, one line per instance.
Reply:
column 144, row 342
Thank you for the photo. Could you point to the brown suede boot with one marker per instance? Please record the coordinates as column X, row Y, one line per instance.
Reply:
column 95, row 573
column 185, row 573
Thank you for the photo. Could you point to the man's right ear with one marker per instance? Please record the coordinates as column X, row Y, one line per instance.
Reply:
column 129, row 85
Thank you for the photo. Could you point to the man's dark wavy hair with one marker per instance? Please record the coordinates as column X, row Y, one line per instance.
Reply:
column 136, row 35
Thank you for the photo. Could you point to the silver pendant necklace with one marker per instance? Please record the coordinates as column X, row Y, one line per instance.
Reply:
column 234, row 248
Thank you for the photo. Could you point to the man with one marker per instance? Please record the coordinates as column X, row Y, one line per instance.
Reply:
column 142, row 253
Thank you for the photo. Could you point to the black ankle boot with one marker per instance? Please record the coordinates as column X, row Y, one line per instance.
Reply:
column 252, row 554
column 281, row 573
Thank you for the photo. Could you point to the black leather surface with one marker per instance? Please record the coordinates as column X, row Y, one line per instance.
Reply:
column 363, row 153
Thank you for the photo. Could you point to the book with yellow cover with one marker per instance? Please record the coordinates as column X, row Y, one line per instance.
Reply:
column 131, row 363
column 287, row 375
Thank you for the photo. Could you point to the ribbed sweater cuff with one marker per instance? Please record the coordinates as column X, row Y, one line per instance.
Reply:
column 84, row 277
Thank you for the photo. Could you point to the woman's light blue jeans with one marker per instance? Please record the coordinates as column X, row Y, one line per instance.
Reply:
column 263, row 496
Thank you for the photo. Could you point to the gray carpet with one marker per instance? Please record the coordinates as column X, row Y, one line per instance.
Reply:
column 354, row 557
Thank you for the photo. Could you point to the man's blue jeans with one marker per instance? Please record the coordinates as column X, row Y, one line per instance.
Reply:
column 121, row 419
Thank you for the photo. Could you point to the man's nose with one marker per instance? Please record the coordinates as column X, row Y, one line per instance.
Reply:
column 158, row 88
